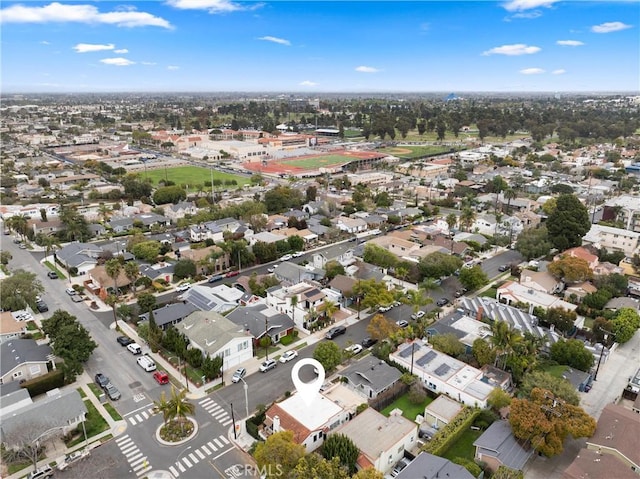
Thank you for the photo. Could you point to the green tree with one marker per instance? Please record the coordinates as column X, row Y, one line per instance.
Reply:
column 265, row 252
column 169, row 194
column 451, row 220
column 184, row 268
column 504, row 472
column 147, row 250
column 379, row 256
column 572, row 353
column 473, row 278
column 296, row 243
column 380, row 327
column 132, row 272
column 314, row 466
column 498, row 399
column 438, row 265
column 504, row 340
column 328, row 308
column 568, row 223
column 279, row 454
column 19, row 290
column 483, row 352
column 560, row 387
column 5, row 257
column 155, row 334
column 562, row 319
column 547, row 421
column 113, row 267
column 328, row 354
column 570, row 269
column 146, row 302
column 373, row 293
column 467, row 217
column 534, row 243
column 180, row 407
column 625, row 324
column 333, row 269
column 448, row 344
column 341, row 447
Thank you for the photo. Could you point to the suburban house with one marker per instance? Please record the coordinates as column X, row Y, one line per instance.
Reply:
column 216, row 259
column 579, row 290
column 82, row 256
column 260, row 320
column 541, row 281
column 221, row 298
column 214, row 230
column 291, row 273
column 10, row 328
column 343, row 286
column 101, row 284
column 215, row 335
column 170, row 314
column 582, row 253
column 350, row 225
column 511, row 292
column 320, row 259
column 308, row 297
column 59, row 410
column 443, row 374
column 146, row 220
column 180, row 210
column 370, row 376
column 158, row 271
column 613, row 239
column 428, row 466
column 498, row 446
column 23, row 359
column 309, row 430
column 381, row 440
column 47, row 228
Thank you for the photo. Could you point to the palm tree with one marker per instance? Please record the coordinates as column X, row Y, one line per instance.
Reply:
column 451, row 220
column 180, row 407
column 428, row 285
column 19, row 224
column 328, row 308
column 510, row 194
column 416, row 299
column 104, row 211
column 294, row 303
column 132, row 272
column 163, row 406
column 467, row 217
column 113, row 267
column 504, row 339
column 48, row 242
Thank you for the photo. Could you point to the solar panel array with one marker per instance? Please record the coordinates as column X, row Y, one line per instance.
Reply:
column 198, row 299
column 442, row 370
column 427, row 358
column 406, row 352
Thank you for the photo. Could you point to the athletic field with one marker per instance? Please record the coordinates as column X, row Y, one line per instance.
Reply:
column 411, row 152
column 191, row 176
column 315, row 162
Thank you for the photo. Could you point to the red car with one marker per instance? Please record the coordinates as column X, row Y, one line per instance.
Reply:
column 161, row 377
column 231, row 274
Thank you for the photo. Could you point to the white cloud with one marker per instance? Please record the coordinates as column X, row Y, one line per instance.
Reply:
column 609, row 27
column 58, row 13
column 520, row 5
column 570, row 43
column 513, row 50
column 527, row 15
column 307, row 83
column 121, row 50
column 214, row 6
column 93, row 47
column 44, row 42
column 118, row 61
column 280, row 41
column 532, row 71
column 559, row 71
column 173, row 67
column 148, row 63
column 365, row 69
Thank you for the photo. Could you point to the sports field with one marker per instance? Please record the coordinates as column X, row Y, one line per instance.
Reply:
column 411, row 152
column 313, row 163
column 191, row 176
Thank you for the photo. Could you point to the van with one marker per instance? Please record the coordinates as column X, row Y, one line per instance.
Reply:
column 147, row 363
column 41, row 473
column 134, row 348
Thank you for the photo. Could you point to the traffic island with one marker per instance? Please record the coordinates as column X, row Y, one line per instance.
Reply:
column 177, row 431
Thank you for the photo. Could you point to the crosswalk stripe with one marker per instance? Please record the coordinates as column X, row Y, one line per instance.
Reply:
column 181, row 467
column 206, row 402
column 123, row 439
column 128, row 449
column 204, row 448
column 145, row 414
column 136, row 458
column 125, row 444
column 202, row 456
column 186, row 462
column 174, row 471
column 219, row 443
column 220, row 415
column 138, row 467
column 225, row 440
column 210, row 444
column 227, row 422
column 132, row 421
column 143, row 472
column 212, row 407
column 138, row 418
column 194, row 458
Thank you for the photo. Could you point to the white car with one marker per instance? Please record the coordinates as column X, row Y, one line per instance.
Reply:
column 71, row 291
column 183, row 287
column 354, row 349
column 288, row 356
column 270, row 270
column 286, row 257
column 418, row 315
column 297, row 254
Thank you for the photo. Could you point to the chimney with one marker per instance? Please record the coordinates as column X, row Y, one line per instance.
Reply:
column 479, row 313
column 276, row 423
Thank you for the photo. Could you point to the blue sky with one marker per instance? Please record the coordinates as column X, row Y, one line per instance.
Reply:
column 309, row 46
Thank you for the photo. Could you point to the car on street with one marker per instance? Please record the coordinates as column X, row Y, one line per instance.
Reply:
column 238, row 375
column 368, row 342
column 460, row 292
column 286, row 257
column 231, row 274
column 161, row 377
column 402, row 323
column 504, row 267
column 418, row 315
column 112, row 392
column 76, row 298
column 271, row 270
column 42, row 306
column 384, row 309
column 41, row 472
column 354, row 349
column 442, row 302
column 335, row 331
column 297, row 254
column 71, row 291
column 102, row 380
column 71, row 459
column 124, row 340
column 268, row 365
column 52, row 275
column 288, row 356
column 183, row 287
column 215, row 278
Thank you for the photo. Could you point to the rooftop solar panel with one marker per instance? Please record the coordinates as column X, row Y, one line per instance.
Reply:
column 427, row 358
column 442, row 370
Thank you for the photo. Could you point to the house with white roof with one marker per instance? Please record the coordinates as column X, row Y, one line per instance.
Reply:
column 512, row 292
column 613, row 239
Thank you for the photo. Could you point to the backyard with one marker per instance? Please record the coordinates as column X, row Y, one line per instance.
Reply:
column 409, row 409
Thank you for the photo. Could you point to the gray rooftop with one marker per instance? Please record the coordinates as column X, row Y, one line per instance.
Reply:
column 170, row 313
column 498, row 441
column 74, row 254
column 260, row 317
column 428, row 466
column 371, row 372
column 20, row 351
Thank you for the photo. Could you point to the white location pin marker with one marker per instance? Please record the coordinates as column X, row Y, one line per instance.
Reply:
column 308, row 391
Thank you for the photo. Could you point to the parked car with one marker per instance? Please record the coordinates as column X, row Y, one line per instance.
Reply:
column 460, row 292
column 42, row 306
column 71, row 459
column 268, row 365
column 442, row 302
column 71, row 291
column 52, row 275
column 335, row 331
column 124, row 340
column 288, row 356
column 297, row 254
column 102, row 380
column 238, row 375
column 286, row 257
column 112, row 392
column 418, row 315
column 215, row 278
column 354, row 349
column 41, row 472
column 504, row 267
column 231, row 274
column 400, row 465
column 183, row 287
column 134, row 348
column 402, row 323
column 384, row 309
column 368, row 342
column 161, row 377
column 271, row 270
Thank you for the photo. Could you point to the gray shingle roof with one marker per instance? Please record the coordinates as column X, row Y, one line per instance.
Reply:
column 257, row 318
column 428, row 466
column 170, row 313
column 19, row 351
column 371, row 372
column 498, row 441
column 75, row 254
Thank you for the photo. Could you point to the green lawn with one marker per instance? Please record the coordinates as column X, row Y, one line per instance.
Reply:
column 463, row 447
column 416, row 151
column 95, row 424
column 409, row 410
column 556, row 370
column 112, row 412
column 191, row 176
column 319, row 161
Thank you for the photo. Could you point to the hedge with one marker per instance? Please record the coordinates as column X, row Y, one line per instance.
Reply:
column 451, row 432
column 44, row 383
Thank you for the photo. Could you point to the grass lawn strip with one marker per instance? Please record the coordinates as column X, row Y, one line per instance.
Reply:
column 319, row 161
column 192, row 175
column 464, row 447
column 409, row 410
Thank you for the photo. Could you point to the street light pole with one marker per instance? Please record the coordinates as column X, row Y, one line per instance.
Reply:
column 233, row 419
